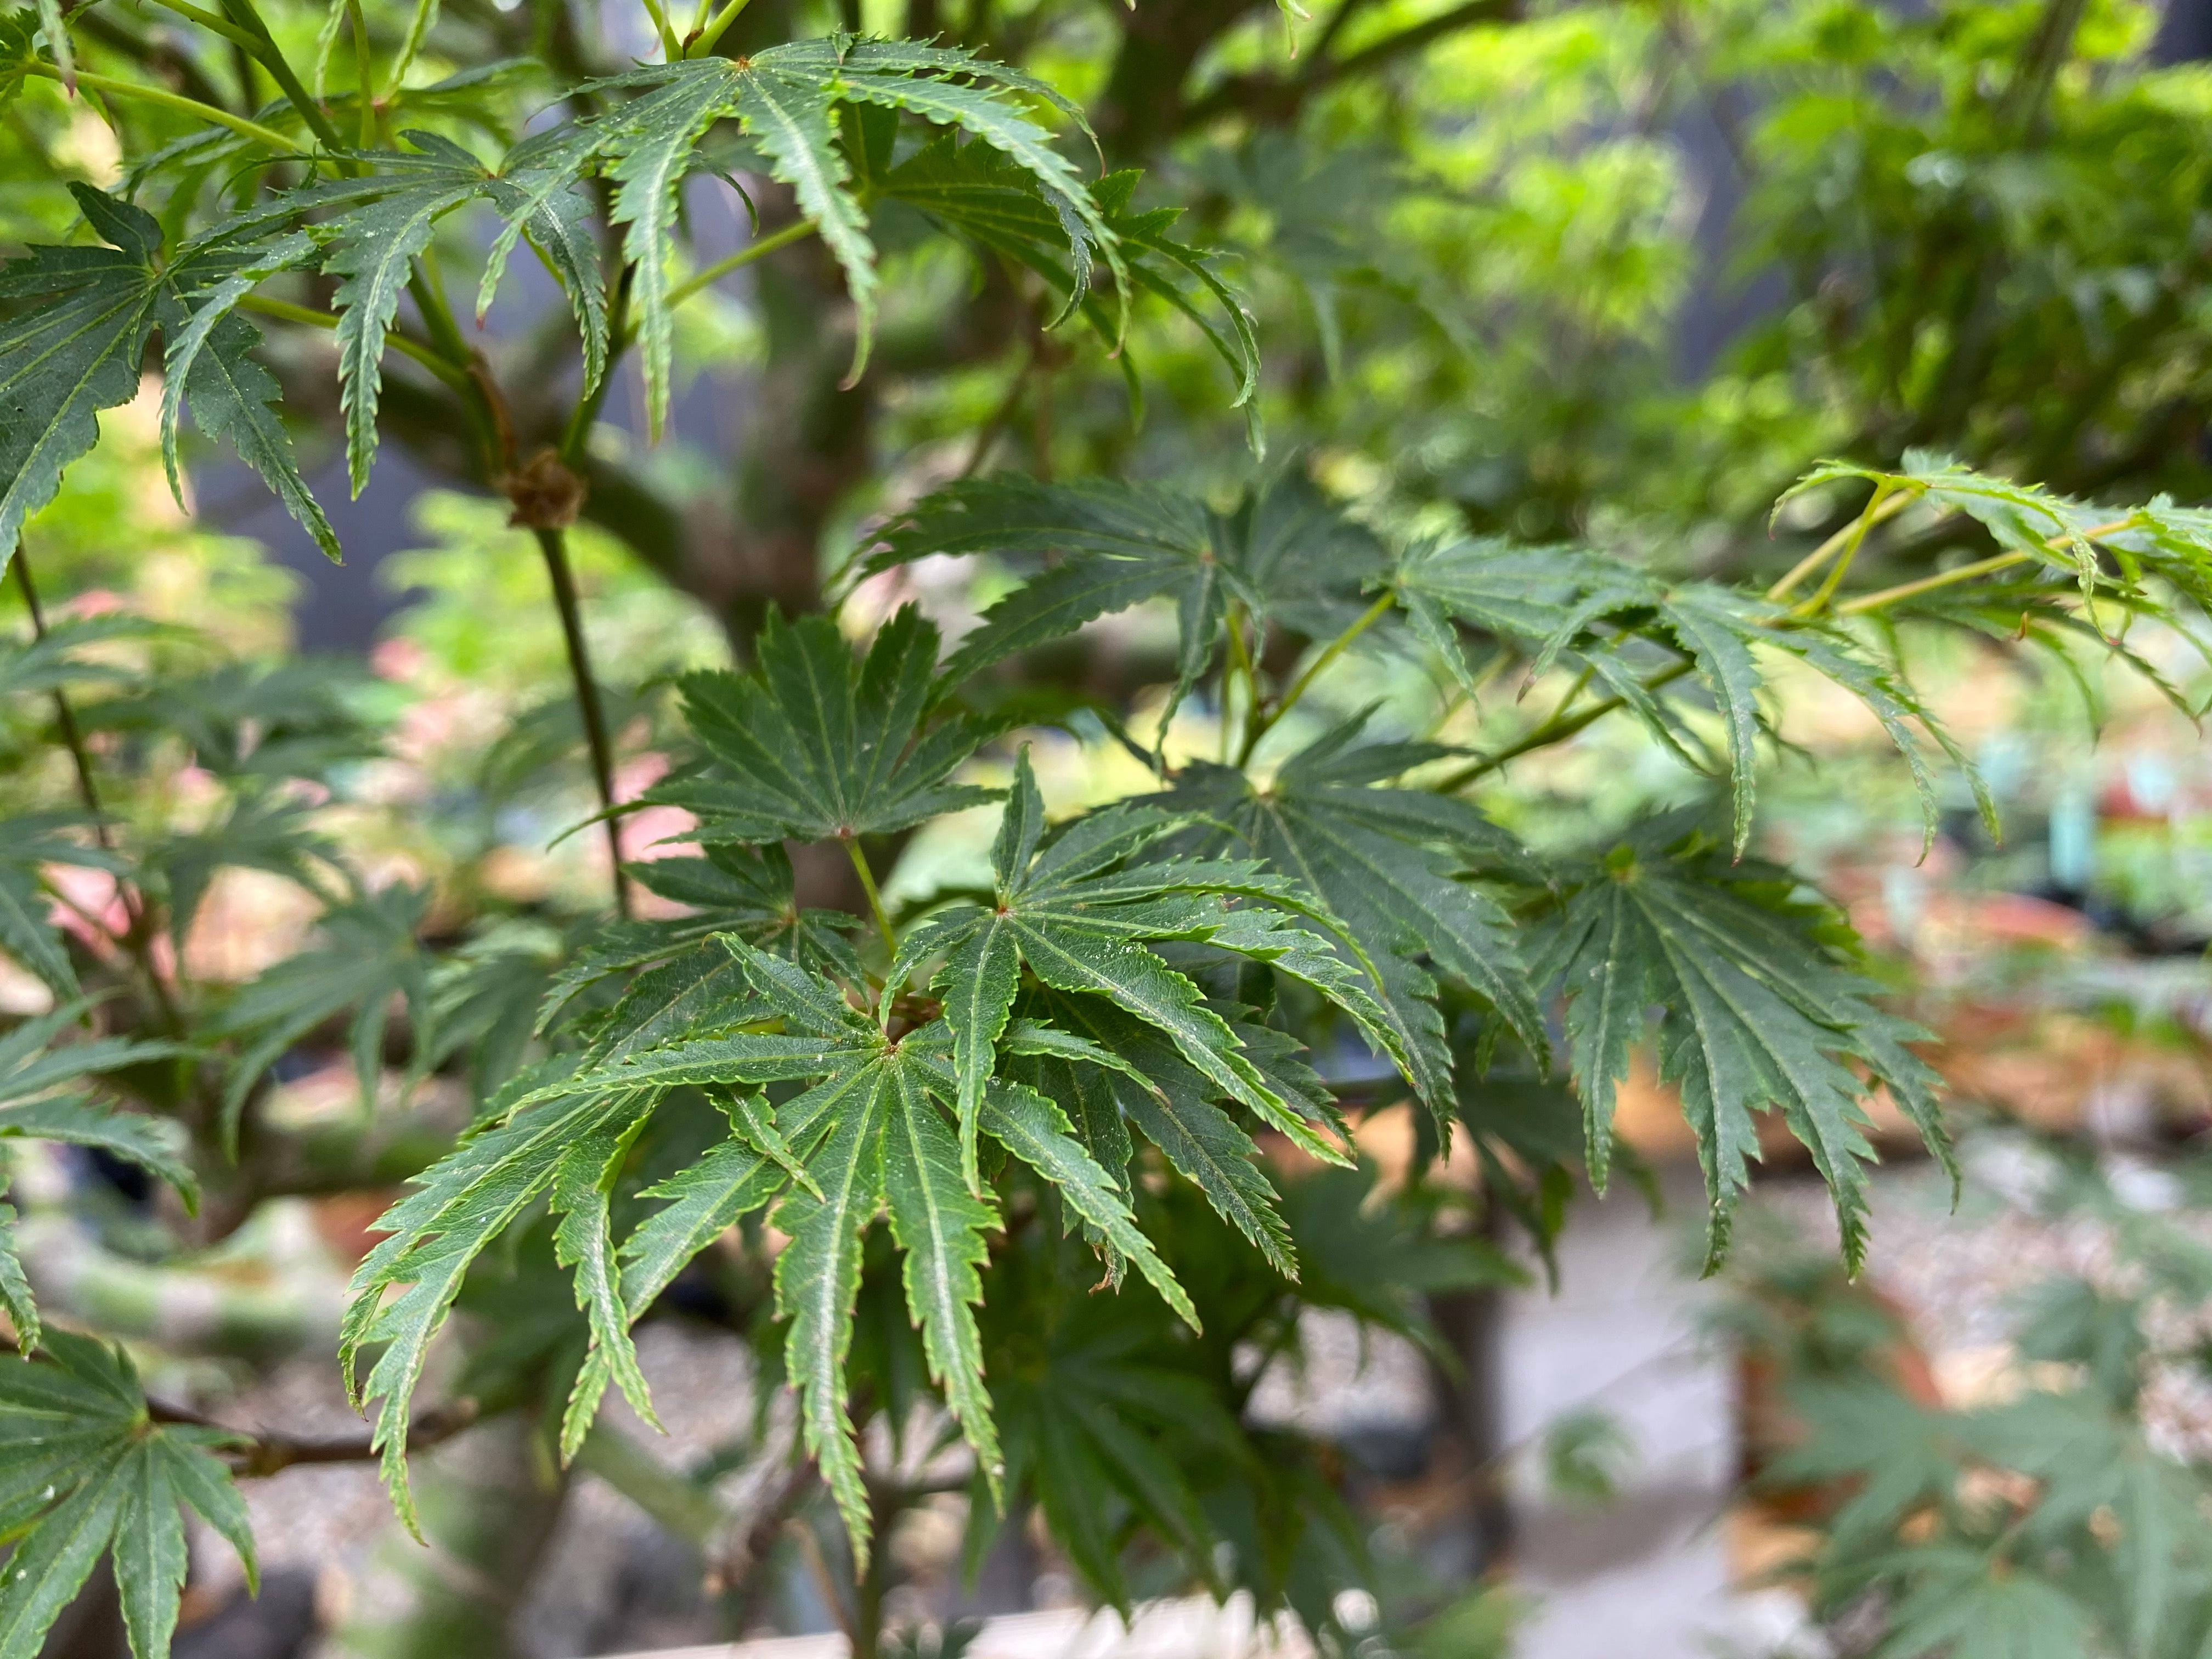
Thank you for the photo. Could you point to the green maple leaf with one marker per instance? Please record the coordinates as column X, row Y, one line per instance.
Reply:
column 787, row 100
column 80, row 319
column 869, row 1131
column 401, row 1293
column 39, row 1101
column 1385, row 860
column 993, row 203
column 1131, row 1072
column 1284, row 553
column 1759, row 1007
column 816, row 745
column 36, row 1100
column 88, row 1473
column 1077, row 912
column 371, row 228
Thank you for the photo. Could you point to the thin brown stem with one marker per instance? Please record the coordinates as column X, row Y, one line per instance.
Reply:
column 553, row 543
column 265, row 1454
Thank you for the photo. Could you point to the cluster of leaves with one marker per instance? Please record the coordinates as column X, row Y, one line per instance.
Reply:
column 1100, row 1060
column 2052, row 1523
column 81, row 318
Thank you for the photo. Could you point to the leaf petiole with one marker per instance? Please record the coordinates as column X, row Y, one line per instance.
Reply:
column 1335, row 648
column 671, row 49
column 1841, row 568
column 758, row 247
column 704, row 42
column 1883, row 507
column 285, row 311
column 851, row 844
column 175, row 101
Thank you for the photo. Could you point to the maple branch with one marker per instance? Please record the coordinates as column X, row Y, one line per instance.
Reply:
column 267, row 1454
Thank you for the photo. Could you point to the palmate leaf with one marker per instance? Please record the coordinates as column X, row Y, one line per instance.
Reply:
column 1077, row 915
column 817, row 746
column 1284, row 553
column 87, row 1473
column 1759, row 1009
column 1173, row 1104
column 78, row 321
column 1033, row 1127
column 993, row 201
column 265, row 829
column 787, row 99
column 401, row 1293
column 871, row 1131
column 372, row 226
column 1384, row 861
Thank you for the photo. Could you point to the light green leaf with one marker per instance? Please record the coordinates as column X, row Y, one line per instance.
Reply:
column 940, row 1227
column 817, row 1278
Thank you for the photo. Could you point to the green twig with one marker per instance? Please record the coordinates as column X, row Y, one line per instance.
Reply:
column 1884, row 505
column 671, row 49
column 1335, row 648
column 757, row 248
column 285, row 310
column 1852, row 543
column 1966, row 572
column 365, row 72
column 1558, row 729
column 271, row 57
column 553, row 543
